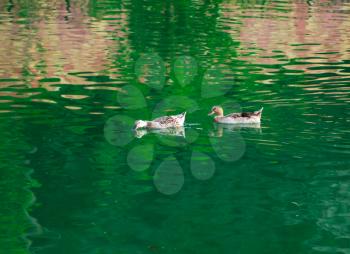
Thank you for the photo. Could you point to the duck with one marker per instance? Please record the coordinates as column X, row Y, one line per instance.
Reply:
column 236, row 118
column 163, row 122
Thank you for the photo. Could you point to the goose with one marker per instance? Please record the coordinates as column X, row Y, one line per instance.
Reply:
column 235, row 118
column 173, row 121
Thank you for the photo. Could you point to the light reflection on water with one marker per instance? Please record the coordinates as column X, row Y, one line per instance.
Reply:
column 64, row 68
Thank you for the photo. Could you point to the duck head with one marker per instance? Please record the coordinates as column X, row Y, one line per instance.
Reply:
column 217, row 110
column 140, row 124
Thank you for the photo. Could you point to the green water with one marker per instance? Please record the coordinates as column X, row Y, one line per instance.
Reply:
column 75, row 178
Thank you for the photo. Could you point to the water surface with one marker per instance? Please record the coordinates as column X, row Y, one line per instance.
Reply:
column 75, row 179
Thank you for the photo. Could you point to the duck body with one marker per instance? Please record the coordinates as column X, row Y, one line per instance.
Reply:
column 163, row 122
column 236, row 118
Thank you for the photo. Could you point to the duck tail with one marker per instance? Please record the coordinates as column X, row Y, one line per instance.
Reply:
column 259, row 111
column 183, row 114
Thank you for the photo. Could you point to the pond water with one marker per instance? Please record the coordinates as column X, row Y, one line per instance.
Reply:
column 75, row 178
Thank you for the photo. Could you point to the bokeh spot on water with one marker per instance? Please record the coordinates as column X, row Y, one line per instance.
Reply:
column 185, row 69
column 131, row 98
column 150, row 70
column 169, row 177
column 191, row 135
column 202, row 166
column 117, row 130
column 140, row 157
column 232, row 148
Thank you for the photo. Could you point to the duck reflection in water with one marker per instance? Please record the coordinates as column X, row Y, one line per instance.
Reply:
column 221, row 128
column 176, row 131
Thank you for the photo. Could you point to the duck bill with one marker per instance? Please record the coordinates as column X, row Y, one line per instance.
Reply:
column 211, row 113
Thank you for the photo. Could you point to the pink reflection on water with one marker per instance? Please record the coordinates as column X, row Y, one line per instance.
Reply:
column 57, row 42
column 300, row 31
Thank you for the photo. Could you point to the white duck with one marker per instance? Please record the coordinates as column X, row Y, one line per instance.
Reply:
column 162, row 122
column 236, row 118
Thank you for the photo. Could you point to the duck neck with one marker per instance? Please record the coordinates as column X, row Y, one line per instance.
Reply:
column 220, row 114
